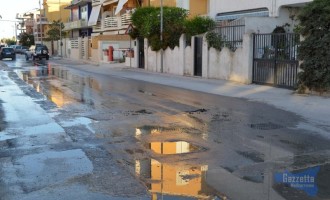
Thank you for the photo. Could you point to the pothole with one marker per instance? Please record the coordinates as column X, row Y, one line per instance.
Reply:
column 266, row 126
column 254, row 156
column 198, row 111
column 147, row 93
column 137, row 112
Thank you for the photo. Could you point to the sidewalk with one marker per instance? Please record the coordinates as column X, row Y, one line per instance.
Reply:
column 315, row 109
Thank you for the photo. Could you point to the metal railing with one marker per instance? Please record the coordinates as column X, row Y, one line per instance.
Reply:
column 231, row 32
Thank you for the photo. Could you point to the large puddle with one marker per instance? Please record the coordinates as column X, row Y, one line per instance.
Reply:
column 176, row 180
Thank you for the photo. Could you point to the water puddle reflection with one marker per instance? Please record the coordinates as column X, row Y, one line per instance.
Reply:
column 175, row 147
column 154, row 130
column 60, row 85
column 170, row 180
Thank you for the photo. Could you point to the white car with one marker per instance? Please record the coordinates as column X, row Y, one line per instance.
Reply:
column 37, row 52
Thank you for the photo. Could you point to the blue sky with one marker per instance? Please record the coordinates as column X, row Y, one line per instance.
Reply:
column 8, row 11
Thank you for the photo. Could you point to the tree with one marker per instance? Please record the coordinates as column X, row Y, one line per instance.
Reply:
column 54, row 32
column 146, row 22
column 26, row 39
column 314, row 50
column 9, row 41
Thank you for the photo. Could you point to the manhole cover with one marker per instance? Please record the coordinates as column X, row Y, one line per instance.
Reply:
column 266, row 126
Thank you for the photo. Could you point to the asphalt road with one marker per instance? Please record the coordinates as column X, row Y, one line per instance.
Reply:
column 93, row 135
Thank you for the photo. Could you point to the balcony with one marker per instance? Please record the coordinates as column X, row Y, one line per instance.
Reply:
column 75, row 25
column 44, row 20
column 29, row 22
column 113, row 23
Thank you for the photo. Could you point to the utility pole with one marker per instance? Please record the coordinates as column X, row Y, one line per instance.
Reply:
column 161, row 35
column 40, row 22
column 15, row 32
column 59, row 6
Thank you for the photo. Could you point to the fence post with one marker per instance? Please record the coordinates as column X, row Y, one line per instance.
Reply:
column 205, row 58
column 248, row 43
column 79, row 48
column 182, row 48
column 86, row 48
column 146, row 52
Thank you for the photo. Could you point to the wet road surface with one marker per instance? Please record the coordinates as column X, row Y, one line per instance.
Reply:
column 175, row 143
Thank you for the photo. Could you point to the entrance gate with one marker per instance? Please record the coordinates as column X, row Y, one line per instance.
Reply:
column 275, row 59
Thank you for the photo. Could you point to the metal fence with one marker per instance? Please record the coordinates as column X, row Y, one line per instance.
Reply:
column 275, row 59
column 231, row 32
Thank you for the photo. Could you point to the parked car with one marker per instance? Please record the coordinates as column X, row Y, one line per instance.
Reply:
column 17, row 48
column 22, row 50
column 37, row 52
column 7, row 52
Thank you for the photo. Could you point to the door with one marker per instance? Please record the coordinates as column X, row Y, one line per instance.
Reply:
column 141, row 52
column 198, row 59
column 275, row 59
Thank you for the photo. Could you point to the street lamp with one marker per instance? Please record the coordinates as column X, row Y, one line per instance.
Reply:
column 161, row 35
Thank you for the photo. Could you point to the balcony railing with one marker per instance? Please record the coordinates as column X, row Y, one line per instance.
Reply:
column 75, row 24
column 44, row 20
column 113, row 23
column 126, row 19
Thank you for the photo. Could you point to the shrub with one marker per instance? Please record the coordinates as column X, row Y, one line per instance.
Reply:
column 215, row 40
column 198, row 25
column 146, row 22
column 314, row 50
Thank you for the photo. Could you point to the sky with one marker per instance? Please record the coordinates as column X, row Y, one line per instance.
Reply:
column 8, row 11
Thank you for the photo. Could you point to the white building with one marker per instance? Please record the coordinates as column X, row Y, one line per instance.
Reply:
column 272, row 6
column 279, row 12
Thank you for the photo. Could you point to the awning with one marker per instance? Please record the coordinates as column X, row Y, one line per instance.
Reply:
column 239, row 14
column 94, row 15
column 120, row 6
